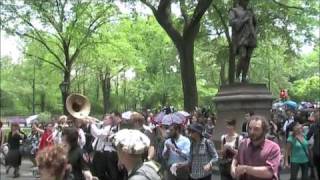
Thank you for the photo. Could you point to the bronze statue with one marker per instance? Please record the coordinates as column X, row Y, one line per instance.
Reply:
column 244, row 36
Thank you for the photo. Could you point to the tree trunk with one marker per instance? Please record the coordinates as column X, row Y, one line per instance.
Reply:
column 84, row 82
column 164, row 99
column 117, row 86
column 66, row 93
column 188, row 76
column 231, row 73
column 97, row 92
column 125, row 93
column 78, row 81
column 34, row 90
column 184, row 43
column 106, row 91
column 84, row 87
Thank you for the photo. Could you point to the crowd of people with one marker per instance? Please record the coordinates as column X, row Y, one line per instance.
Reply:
column 139, row 148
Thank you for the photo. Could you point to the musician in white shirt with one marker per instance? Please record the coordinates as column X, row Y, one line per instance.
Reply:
column 61, row 124
column 105, row 160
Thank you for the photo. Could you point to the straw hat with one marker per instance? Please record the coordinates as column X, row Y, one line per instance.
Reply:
column 131, row 141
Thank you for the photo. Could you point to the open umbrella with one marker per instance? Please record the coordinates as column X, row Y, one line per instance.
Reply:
column 31, row 119
column 126, row 115
column 184, row 113
column 277, row 105
column 291, row 104
column 173, row 118
column 158, row 118
column 306, row 105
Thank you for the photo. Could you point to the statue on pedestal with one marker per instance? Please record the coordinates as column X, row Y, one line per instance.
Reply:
column 244, row 36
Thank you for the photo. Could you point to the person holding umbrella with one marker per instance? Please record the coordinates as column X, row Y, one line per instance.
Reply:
column 176, row 152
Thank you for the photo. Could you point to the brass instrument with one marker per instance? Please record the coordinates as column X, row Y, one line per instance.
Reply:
column 78, row 106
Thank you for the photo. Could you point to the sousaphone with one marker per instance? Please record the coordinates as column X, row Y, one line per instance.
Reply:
column 78, row 106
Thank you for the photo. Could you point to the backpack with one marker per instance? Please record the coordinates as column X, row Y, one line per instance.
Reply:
column 152, row 165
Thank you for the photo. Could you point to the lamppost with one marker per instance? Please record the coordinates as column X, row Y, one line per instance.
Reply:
column 64, row 86
column 33, row 89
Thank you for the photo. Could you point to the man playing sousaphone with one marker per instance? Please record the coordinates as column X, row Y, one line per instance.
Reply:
column 79, row 108
column 100, row 152
column 105, row 159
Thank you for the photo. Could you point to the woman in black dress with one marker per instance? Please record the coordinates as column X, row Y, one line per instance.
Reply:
column 14, row 156
column 79, row 167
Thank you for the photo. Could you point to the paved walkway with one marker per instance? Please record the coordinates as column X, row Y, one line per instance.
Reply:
column 26, row 173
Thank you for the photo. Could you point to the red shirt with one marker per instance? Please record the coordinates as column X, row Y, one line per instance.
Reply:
column 46, row 140
column 267, row 154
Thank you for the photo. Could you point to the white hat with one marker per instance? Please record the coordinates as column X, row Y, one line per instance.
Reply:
column 131, row 141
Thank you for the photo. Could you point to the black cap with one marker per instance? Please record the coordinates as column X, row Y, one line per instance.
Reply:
column 196, row 127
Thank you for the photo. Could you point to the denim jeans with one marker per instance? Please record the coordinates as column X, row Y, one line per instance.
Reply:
column 295, row 169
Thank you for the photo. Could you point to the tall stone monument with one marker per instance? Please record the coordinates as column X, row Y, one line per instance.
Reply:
column 244, row 37
column 236, row 99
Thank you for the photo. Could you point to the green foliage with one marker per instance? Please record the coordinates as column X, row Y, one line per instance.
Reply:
column 306, row 89
column 136, row 44
column 44, row 117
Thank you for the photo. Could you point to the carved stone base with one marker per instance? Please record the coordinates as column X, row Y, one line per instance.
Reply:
column 233, row 101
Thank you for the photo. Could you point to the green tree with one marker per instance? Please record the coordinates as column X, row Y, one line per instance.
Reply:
column 183, row 37
column 289, row 25
column 306, row 89
column 63, row 28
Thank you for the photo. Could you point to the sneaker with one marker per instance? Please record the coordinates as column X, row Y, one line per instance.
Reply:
column 16, row 175
column 8, row 169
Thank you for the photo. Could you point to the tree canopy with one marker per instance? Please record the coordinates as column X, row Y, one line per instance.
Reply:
column 132, row 59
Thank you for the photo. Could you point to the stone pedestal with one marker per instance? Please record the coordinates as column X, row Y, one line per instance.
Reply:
column 233, row 101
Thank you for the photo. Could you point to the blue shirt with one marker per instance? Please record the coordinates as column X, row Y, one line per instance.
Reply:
column 183, row 145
